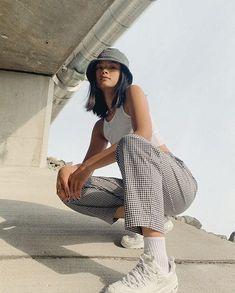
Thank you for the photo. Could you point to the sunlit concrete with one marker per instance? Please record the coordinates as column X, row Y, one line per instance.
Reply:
column 60, row 250
column 25, row 115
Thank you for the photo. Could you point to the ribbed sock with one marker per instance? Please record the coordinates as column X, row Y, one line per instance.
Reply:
column 155, row 246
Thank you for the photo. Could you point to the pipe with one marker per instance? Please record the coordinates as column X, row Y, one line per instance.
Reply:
column 117, row 19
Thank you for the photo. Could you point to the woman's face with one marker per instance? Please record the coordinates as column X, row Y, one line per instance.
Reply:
column 107, row 74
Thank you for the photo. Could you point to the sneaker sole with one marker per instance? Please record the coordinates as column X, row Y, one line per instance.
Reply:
column 164, row 290
column 168, row 289
column 136, row 246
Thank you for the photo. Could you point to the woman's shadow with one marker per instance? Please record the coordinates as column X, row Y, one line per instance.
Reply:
column 42, row 232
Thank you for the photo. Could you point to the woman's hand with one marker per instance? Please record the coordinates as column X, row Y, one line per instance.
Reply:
column 62, row 188
column 77, row 180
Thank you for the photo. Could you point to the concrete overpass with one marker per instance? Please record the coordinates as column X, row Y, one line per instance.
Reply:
column 45, row 47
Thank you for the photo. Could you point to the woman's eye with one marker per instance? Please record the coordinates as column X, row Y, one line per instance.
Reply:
column 111, row 67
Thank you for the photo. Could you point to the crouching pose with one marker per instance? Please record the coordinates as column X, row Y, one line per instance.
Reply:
column 154, row 182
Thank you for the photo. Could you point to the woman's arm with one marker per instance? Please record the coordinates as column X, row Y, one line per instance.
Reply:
column 97, row 156
column 97, row 144
column 136, row 106
column 101, row 159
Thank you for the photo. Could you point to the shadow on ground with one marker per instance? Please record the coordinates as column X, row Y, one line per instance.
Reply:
column 42, row 232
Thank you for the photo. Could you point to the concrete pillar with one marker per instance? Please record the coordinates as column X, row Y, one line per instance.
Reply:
column 25, row 115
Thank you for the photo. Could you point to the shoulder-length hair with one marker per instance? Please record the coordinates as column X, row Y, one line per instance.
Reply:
column 96, row 101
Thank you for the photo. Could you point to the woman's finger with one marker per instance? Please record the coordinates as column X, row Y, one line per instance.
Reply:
column 78, row 190
column 62, row 195
column 75, row 188
column 58, row 186
column 64, row 186
column 66, row 190
column 72, row 187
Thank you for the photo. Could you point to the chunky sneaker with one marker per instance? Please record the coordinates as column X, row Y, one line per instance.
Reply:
column 135, row 241
column 147, row 277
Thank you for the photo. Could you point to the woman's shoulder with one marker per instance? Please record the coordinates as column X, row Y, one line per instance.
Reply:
column 133, row 88
column 134, row 96
column 98, row 127
column 135, row 92
column 99, row 124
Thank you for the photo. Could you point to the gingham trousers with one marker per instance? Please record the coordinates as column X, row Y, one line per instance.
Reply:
column 153, row 184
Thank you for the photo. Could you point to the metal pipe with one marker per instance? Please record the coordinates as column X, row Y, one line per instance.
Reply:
column 118, row 18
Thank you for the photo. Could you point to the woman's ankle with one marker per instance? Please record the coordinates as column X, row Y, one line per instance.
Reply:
column 147, row 232
column 120, row 213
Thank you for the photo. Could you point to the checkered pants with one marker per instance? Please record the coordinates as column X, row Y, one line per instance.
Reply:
column 154, row 184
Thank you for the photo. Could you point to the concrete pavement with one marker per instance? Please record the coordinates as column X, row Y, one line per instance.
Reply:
column 45, row 247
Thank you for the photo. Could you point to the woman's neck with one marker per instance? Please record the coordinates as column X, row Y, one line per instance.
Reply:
column 109, row 96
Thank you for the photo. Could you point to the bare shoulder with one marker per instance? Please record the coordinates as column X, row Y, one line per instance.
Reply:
column 134, row 89
column 98, row 127
column 99, row 123
column 134, row 96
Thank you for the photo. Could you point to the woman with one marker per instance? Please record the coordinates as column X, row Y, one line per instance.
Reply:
column 154, row 182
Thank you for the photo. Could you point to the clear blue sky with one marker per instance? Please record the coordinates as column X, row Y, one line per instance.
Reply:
column 182, row 54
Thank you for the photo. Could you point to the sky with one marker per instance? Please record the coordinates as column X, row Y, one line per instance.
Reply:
column 181, row 53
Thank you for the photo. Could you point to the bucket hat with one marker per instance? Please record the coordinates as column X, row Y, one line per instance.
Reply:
column 110, row 54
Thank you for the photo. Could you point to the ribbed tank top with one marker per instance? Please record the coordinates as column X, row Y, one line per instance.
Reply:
column 120, row 125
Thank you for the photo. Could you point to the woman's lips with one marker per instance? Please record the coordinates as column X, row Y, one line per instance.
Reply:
column 104, row 78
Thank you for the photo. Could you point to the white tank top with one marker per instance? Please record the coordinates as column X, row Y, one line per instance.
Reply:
column 120, row 125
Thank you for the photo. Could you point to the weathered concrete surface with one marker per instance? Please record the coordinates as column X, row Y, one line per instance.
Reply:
column 25, row 116
column 38, row 36
column 61, row 251
column 92, row 275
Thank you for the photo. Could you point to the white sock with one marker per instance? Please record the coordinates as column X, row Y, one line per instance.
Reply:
column 155, row 246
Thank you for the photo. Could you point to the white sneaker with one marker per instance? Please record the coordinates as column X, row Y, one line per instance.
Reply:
column 168, row 225
column 136, row 241
column 133, row 241
column 147, row 277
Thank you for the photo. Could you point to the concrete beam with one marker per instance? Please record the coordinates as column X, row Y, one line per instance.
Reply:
column 38, row 36
column 25, row 114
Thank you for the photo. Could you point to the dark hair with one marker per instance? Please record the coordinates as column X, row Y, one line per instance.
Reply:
column 96, row 101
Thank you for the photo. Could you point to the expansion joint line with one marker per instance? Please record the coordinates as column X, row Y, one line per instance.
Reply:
column 98, row 257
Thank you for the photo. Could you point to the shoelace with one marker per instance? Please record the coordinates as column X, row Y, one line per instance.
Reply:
column 139, row 275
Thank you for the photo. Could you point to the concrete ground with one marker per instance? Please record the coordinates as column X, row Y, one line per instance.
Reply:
column 45, row 247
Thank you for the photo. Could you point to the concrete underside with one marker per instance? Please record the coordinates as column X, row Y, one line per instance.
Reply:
column 38, row 36
column 45, row 247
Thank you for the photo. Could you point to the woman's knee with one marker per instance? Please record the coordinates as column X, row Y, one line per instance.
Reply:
column 127, row 142
column 132, row 144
